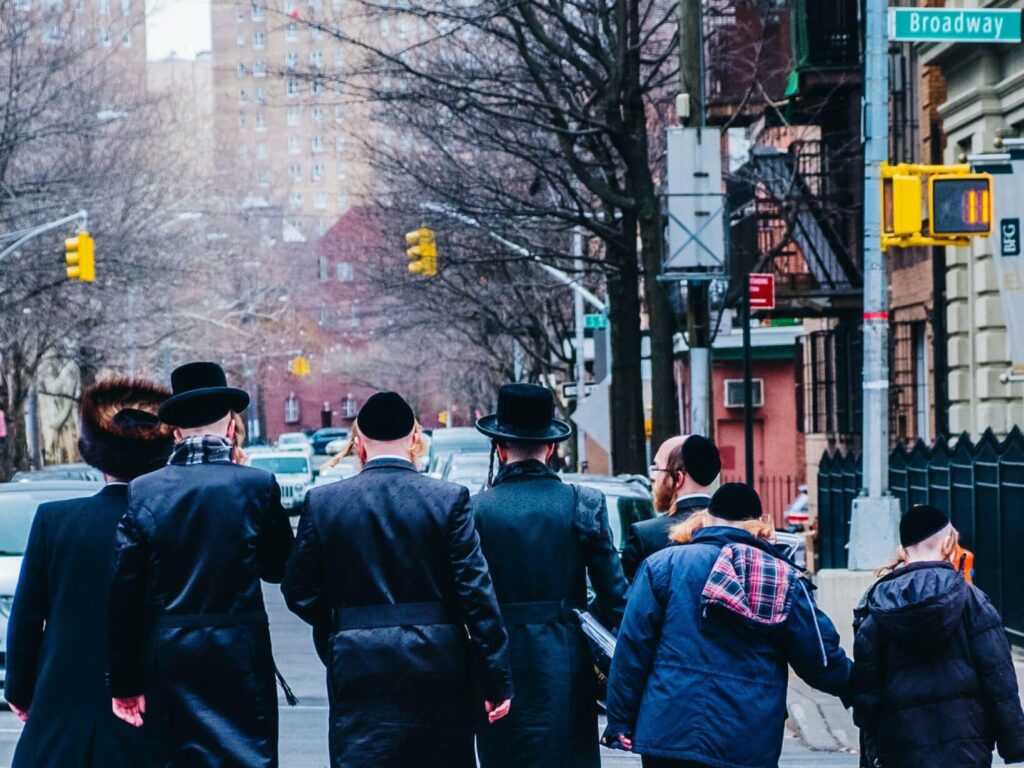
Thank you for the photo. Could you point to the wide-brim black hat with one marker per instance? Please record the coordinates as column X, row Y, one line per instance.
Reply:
column 526, row 414
column 201, row 396
column 119, row 432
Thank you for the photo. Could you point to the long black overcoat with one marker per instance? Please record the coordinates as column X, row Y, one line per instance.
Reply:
column 57, row 641
column 387, row 568
column 188, row 626
column 541, row 541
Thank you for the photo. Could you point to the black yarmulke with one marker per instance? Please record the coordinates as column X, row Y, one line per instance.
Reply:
column 922, row 521
column 736, row 501
column 701, row 460
column 386, row 416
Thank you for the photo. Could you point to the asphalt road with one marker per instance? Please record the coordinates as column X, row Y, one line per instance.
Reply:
column 304, row 727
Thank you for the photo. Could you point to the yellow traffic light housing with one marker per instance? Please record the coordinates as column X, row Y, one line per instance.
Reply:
column 79, row 254
column 958, row 205
column 299, row 366
column 423, row 252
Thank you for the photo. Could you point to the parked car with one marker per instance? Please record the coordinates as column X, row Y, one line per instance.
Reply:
column 797, row 514
column 291, row 470
column 468, row 469
column 60, row 472
column 345, row 468
column 628, row 501
column 18, row 504
column 323, row 437
column 295, row 441
column 445, row 442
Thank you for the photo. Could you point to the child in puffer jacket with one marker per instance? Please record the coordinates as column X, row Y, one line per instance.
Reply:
column 933, row 680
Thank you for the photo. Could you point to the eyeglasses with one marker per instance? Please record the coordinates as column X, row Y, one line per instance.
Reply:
column 655, row 468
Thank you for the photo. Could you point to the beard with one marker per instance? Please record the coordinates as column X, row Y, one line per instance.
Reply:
column 664, row 496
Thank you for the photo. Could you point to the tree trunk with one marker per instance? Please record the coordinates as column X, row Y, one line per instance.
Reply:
column 629, row 450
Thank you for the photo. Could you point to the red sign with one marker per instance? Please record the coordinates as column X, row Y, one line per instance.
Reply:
column 762, row 291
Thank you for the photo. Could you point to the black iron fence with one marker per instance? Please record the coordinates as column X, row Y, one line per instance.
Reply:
column 979, row 485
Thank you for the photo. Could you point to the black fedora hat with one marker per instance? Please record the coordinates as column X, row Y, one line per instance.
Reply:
column 201, row 396
column 526, row 414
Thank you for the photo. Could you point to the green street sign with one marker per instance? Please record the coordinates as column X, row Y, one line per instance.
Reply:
column 963, row 25
column 597, row 322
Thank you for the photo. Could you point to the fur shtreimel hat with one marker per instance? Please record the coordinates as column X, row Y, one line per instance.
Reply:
column 120, row 433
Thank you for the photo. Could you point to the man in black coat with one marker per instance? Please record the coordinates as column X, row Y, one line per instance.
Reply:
column 56, row 648
column 188, row 628
column 542, row 539
column 684, row 469
column 388, row 570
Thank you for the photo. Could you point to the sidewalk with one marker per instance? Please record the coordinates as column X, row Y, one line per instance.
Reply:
column 822, row 724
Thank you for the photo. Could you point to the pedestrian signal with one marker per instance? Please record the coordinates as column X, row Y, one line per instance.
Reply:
column 423, row 252
column 298, row 366
column 960, row 204
column 80, row 257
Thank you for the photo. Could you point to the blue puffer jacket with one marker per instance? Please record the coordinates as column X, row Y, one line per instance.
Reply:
column 701, row 665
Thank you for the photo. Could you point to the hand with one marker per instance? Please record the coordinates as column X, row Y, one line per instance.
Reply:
column 130, row 710
column 496, row 712
column 626, row 742
column 21, row 713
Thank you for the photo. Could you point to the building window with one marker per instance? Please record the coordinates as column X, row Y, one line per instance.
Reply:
column 316, row 59
column 261, row 151
column 315, row 33
column 385, row 27
column 291, row 404
column 353, row 320
column 80, row 34
column 294, row 145
column 402, row 27
column 259, row 68
column 103, row 7
column 261, row 121
column 241, row 69
column 346, row 274
column 343, row 199
column 79, row 6
column 259, row 40
column 295, row 172
column 295, row 201
column 239, row 14
column 323, row 268
column 241, row 122
column 260, row 95
column 339, row 116
column 291, row 32
column 317, row 86
column 241, row 95
column 318, row 144
column 240, row 40
column 349, row 407
column 23, row 5
column 103, row 35
column 52, row 33
column 320, row 200
column 126, row 7
column 336, row 5
column 829, row 379
column 243, row 153
column 318, row 172
column 291, row 7
column 263, row 177
column 293, row 86
column 126, row 39
column 317, row 114
column 339, row 142
column 321, row 226
column 339, row 57
column 342, row 172
column 259, row 12
column 291, row 60
column 294, row 115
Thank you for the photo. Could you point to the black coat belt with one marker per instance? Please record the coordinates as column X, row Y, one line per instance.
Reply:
column 541, row 612
column 387, row 615
column 177, row 620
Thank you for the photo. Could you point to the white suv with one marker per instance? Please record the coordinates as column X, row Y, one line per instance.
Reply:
column 291, row 469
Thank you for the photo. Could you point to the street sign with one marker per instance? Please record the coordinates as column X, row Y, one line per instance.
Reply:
column 1009, row 237
column 961, row 25
column 696, row 204
column 570, row 390
column 594, row 417
column 595, row 321
column 762, row 290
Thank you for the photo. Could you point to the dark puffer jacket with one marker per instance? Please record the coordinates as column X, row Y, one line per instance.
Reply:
column 934, row 681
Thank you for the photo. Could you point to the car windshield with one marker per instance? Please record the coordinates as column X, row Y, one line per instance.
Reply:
column 281, row 465
column 16, row 513
column 445, row 442
column 290, row 439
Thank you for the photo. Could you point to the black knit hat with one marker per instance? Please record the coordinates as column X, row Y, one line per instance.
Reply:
column 701, row 460
column 922, row 521
column 736, row 501
column 119, row 432
column 386, row 416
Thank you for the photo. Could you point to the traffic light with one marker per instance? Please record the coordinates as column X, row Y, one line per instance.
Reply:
column 960, row 205
column 79, row 255
column 423, row 252
column 299, row 366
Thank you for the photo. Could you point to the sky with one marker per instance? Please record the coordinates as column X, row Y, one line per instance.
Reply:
column 177, row 26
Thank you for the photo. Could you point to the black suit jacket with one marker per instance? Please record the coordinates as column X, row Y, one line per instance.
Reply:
column 387, row 544
column 57, row 640
column 650, row 536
